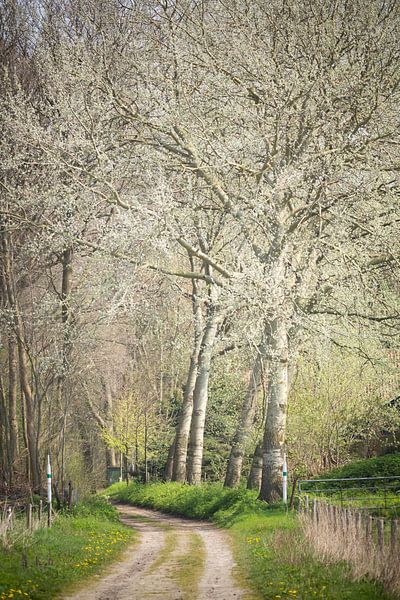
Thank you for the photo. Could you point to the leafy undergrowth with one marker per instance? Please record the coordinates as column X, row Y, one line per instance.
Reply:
column 271, row 552
column 381, row 466
column 41, row 565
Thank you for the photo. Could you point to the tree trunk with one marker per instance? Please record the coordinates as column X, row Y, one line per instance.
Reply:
column 146, row 471
column 245, row 422
column 170, row 462
column 254, row 478
column 183, row 428
column 8, row 278
column 66, row 289
column 12, row 404
column 87, row 452
column 29, row 414
column 4, row 439
column 111, row 458
column 200, row 396
column 275, row 424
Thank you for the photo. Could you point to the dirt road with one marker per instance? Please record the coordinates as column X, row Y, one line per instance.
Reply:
column 175, row 559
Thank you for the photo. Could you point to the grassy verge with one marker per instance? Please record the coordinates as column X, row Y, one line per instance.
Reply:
column 42, row 564
column 270, row 549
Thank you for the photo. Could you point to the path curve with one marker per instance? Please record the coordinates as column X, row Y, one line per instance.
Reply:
column 174, row 559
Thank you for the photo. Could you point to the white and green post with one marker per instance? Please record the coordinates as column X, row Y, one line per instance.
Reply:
column 48, row 491
column 284, row 480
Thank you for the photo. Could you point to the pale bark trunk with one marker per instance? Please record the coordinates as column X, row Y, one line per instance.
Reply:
column 254, row 478
column 246, row 417
column 200, row 397
column 275, row 424
column 183, row 428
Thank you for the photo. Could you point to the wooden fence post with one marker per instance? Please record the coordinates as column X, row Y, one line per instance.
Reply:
column 40, row 513
column 29, row 516
column 380, row 525
column 347, row 520
column 328, row 514
column 394, row 536
column 357, row 525
column 334, row 517
column 368, row 530
column 300, row 505
column 10, row 519
column 342, row 517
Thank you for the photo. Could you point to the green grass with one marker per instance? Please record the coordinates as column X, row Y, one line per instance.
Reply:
column 272, row 556
column 41, row 565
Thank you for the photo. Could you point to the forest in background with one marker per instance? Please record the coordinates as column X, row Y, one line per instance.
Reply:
column 199, row 249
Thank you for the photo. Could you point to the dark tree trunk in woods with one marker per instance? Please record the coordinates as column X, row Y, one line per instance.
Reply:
column 29, row 401
column 246, row 417
column 170, row 462
column 66, row 289
column 12, row 405
column 4, row 441
column 254, row 478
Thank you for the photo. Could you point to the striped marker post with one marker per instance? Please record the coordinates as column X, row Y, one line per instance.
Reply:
column 48, row 491
column 284, row 481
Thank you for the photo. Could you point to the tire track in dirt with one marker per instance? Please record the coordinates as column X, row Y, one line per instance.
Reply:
column 174, row 559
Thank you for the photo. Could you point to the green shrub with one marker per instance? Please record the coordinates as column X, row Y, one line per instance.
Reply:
column 206, row 501
column 96, row 506
column 381, row 466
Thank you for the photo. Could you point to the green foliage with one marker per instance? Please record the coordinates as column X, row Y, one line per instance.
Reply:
column 96, row 506
column 272, row 555
column 76, row 546
column 227, row 388
column 207, row 501
column 339, row 409
column 387, row 465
